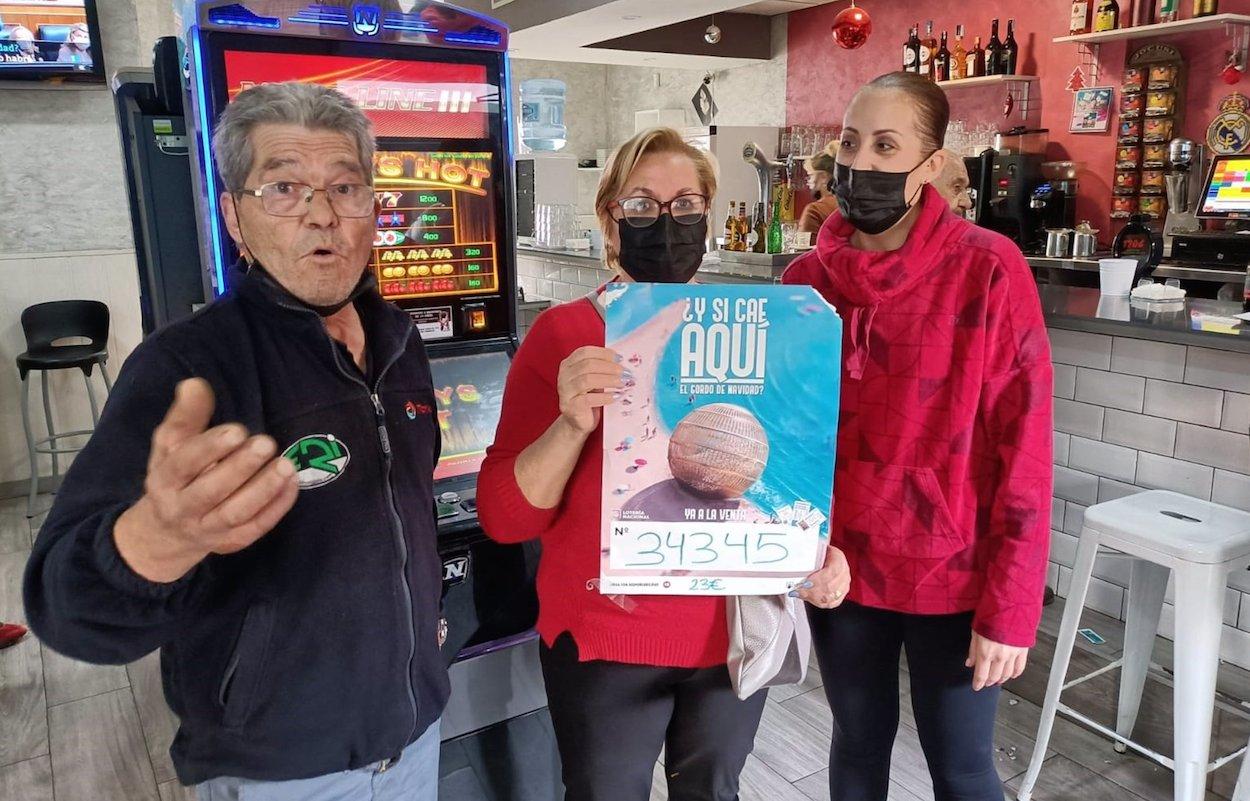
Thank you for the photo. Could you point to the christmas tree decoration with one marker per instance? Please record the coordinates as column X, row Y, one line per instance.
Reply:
column 1076, row 81
column 851, row 27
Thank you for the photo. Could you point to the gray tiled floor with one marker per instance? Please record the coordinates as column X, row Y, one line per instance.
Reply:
column 72, row 731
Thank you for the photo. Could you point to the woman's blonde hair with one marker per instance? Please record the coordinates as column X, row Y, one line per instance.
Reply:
column 824, row 160
column 621, row 165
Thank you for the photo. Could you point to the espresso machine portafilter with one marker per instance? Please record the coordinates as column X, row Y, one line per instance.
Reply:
column 754, row 155
column 1184, row 188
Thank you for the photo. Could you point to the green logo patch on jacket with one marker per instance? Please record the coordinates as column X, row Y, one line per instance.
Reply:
column 318, row 459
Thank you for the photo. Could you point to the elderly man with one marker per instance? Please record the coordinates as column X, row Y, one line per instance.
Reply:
column 255, row 501
column 952, row 184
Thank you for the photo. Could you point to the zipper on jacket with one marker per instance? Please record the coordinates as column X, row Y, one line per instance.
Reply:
column 397, row 523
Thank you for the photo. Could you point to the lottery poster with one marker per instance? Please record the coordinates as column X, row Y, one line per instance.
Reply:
column 718, row 456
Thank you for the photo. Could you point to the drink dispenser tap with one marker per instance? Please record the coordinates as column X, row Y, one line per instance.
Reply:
column 754, row 155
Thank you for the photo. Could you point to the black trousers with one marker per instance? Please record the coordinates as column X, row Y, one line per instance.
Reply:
column 858, row 649
column 612, row 718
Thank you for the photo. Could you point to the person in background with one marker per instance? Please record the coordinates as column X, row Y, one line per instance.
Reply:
column 623, row 679
column 819, row 169
column 943, row 474
column 255, row 502
column 11, row 634
column 953, row 184
column 77, row 46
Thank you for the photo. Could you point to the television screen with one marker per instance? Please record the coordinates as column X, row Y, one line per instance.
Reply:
column 48, row 39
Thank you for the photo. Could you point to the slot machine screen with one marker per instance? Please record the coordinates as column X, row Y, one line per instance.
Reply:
column 435, row 226
column 439, row 169
column 468, row 395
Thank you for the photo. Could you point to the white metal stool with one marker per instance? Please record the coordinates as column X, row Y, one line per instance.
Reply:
column 1200, row 543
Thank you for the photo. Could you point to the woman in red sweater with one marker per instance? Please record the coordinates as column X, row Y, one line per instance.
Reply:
column 943, row 478
column 625, row 675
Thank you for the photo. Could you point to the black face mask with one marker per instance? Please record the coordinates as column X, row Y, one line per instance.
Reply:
column 665, row 252
column 871, row 200
column 367, row 283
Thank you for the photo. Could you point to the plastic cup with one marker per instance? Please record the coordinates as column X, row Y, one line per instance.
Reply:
column 1115, row 276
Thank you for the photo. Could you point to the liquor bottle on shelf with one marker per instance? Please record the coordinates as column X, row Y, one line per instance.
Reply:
column 994, row 51
column 1080, row 17
column 775, row 239
column 976, row 60
column 1205, row 8
column 1169, row 10
column 959, row 56
column 1143, row 13
column 731, row 229
column 1107, row 16
column 911, row 50
column 1011, row 50
column 942, row 62
column 928, row 49
column 744, row 229
column 759, row 241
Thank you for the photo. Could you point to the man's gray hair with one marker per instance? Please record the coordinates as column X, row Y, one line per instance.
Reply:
column 291, row 103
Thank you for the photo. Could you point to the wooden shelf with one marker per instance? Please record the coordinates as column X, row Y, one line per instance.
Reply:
column 1158, row 29
column 986, row 80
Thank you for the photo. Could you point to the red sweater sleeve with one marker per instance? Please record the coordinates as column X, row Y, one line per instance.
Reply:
column 530, row 406
column 1016, row 411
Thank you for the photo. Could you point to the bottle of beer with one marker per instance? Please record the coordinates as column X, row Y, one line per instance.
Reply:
column 1080, row 17
column 942, row 62
column 731, row 229
column 759, row 233
column 928, row 49
column 994, row 52
column 976, row 60
column 1011, row 50
column 911, row 50
column 774, row 231
column 744, row 229
column 1107, row 18
column 959, row 56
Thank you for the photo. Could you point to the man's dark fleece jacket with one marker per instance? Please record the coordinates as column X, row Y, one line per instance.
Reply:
column 316, row 649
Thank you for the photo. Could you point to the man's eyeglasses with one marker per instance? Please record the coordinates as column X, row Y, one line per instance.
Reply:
column 640, row 212
column 290, row 199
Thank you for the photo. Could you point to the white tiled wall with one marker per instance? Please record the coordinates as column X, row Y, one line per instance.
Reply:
column 557, row 279
column 1131, row 415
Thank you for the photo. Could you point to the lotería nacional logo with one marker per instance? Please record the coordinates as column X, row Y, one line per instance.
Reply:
column 318, row 459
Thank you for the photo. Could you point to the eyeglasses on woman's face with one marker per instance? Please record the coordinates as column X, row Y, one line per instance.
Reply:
column 640, row 211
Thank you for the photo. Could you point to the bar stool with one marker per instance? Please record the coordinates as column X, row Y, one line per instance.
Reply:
column 45, row 324
column 1200, row 543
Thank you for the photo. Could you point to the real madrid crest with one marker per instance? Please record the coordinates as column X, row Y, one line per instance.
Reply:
column 1229, row 132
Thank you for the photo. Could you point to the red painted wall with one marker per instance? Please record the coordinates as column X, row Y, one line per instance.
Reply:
column 821, row 77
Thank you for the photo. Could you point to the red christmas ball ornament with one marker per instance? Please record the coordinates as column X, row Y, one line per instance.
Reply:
column 1231, row 74
column 851, row 27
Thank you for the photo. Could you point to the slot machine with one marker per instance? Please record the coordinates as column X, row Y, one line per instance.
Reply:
column 434, row 82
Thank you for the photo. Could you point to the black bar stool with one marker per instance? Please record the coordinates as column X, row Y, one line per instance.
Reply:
column 46, row 324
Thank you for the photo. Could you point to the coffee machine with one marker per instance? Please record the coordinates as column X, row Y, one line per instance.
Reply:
column 1054, row 201
column 1184, row 182
column 1005, row 185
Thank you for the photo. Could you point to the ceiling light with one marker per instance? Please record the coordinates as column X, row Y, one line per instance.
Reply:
column 632, row 17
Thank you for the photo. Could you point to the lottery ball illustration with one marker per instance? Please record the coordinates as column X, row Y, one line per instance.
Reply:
column 718, row 450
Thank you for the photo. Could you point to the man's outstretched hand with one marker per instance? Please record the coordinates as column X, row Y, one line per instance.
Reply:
column 207, row 490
